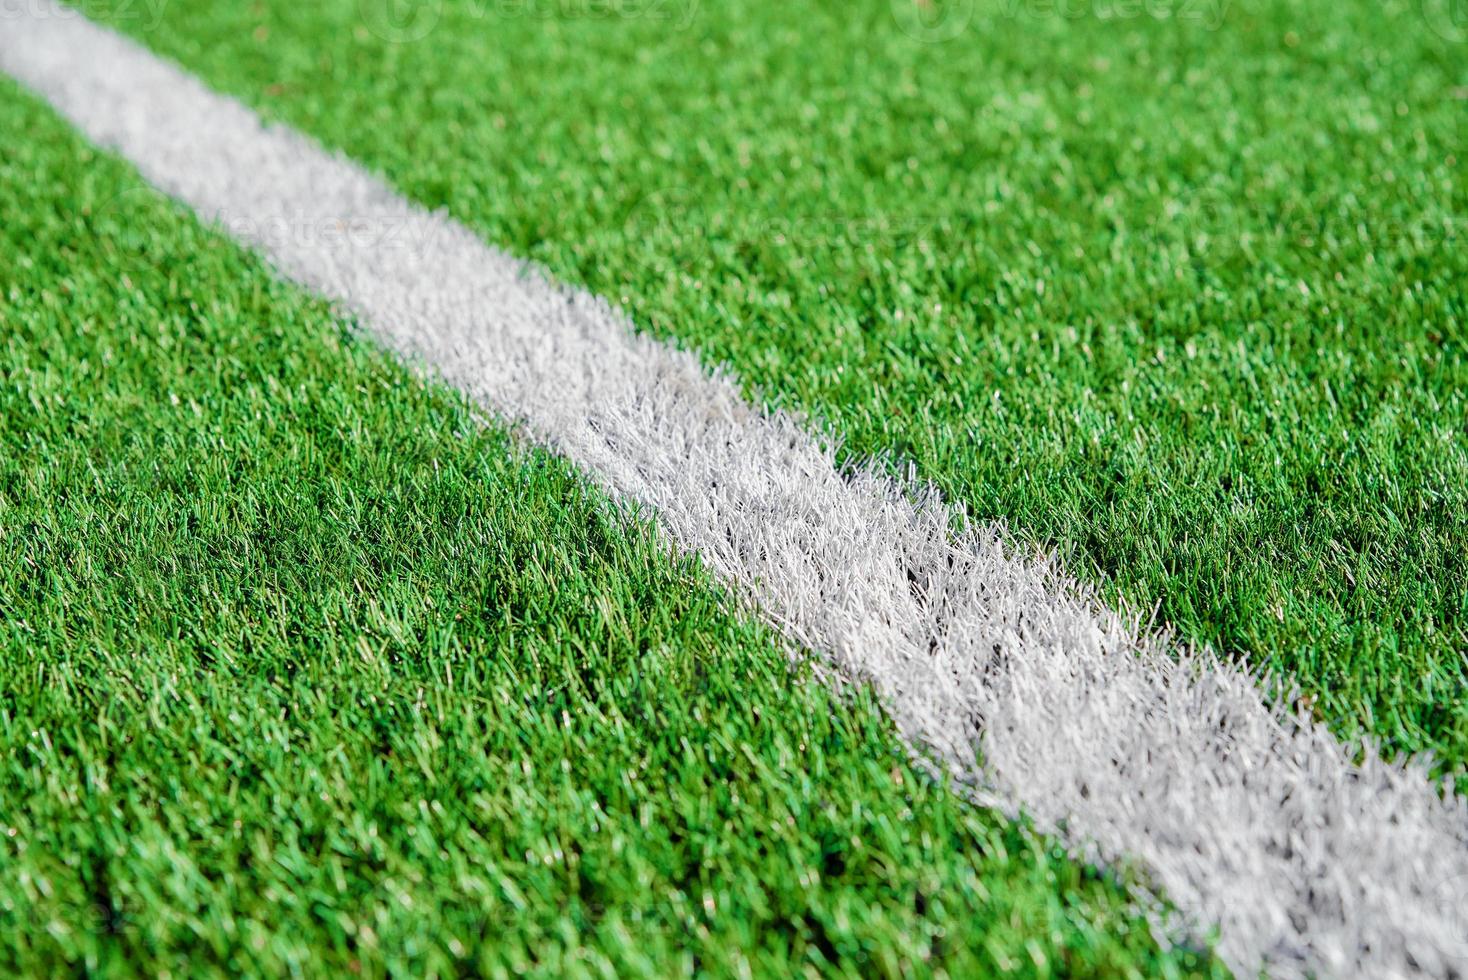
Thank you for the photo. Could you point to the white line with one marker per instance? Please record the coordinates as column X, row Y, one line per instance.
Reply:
column 1011, row 675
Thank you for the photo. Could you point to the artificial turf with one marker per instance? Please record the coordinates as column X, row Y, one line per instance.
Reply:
column 304, row 669
column 1177, row 289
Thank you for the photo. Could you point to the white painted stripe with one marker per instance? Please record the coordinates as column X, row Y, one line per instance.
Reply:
column 1014, row 677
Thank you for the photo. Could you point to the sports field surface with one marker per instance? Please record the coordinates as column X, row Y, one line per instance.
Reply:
column 1006, row 512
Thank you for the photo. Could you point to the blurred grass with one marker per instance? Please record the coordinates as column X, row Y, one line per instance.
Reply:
column 303, row 670
column 1176, row 288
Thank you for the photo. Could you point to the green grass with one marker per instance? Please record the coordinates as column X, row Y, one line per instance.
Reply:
column 303, row 669
column 1186, row 303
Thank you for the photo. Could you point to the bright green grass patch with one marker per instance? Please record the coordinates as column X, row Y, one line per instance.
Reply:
column 1186, row 302
column 303, row 669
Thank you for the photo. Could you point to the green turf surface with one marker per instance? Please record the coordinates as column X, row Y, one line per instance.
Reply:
column 1186, row 303
column 302, row 669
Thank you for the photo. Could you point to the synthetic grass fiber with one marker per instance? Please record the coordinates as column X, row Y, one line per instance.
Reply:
column 1097, row 730
column 1178, row 291
column 303, row 668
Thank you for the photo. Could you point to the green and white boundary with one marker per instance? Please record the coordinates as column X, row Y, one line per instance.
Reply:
column 1310, row 856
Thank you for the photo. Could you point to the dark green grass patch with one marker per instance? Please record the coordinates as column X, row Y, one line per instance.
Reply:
column 1178, row 288
column 303, row 670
